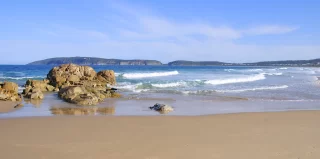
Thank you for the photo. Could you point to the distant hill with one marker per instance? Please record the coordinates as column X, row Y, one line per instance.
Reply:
column 196, row 63
column 314, row 62
column 290, row 63
column 102, row 61
column 93, row 61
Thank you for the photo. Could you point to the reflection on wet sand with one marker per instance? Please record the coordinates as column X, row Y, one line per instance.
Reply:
column 82, row 110
column 35, row 103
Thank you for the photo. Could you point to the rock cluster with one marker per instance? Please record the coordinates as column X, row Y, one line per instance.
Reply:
column 9, row 92
column 34, row 88
column 81, row 85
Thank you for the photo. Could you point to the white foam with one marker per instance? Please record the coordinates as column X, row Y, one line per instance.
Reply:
column 254, row 89
column 20, row 89
column 19, row 78
column 274, row 74
column 283, row 68
column 150, row 74
column 251, row 78
column 166, row 85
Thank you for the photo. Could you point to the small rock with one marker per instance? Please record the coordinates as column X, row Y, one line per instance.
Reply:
column 18, row 105
column 162, row 108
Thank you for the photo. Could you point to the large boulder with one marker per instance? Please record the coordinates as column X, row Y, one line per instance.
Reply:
column 9, row 92
column 106, row 76
column 81, row 85
column 70, row 74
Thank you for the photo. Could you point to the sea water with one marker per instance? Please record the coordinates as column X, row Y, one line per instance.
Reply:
column 275, row 88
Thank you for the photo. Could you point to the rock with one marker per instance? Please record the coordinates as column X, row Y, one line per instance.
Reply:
column 34, row 88
column 39, row 84
column 10, row 86
column 81, row 85
column 162, row 108
column 9, row 92
column 72, row 73
column 35, row 93
column 79, row 95
column 106, row 76
column 50, row 88
column 18, row 105
column 56, row 89
column 85, row 95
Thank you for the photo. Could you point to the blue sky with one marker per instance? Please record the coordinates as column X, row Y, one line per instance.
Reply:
column 167, row 30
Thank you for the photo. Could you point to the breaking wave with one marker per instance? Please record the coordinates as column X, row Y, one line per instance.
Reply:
column 254, row 89
column 20, row 78
column 149, row 74
column 252, row 78
column 166, row 85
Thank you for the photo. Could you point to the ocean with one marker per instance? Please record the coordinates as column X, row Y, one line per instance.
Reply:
column 289, row 86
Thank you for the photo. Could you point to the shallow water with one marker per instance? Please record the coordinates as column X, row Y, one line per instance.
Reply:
column 190, row 90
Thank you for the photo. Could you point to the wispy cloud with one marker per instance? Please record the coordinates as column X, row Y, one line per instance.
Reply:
column 147, row 25
column 270, row 29
column 135, row 32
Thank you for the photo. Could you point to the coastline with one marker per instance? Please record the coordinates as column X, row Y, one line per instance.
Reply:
column 277, row 135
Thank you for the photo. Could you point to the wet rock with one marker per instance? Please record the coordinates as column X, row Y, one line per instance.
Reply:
column 78, row 95
column 162, row 108
column 85, row 95
column 106, row 76
column 81, row 85
column 35, row 93
column 34, row 88
column 9, row 92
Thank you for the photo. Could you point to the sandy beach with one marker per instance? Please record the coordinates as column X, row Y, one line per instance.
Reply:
column 276, row 135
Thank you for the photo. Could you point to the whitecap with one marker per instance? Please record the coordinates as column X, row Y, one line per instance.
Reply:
column 149, row 74
column 173, row 84
column 251, row 78
column 20, row 78
column 254, row 89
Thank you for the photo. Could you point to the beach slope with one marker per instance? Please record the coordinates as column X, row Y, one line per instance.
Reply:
column 277, row 135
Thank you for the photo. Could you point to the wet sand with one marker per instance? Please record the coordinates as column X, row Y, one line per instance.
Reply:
column 276, row 135
column 6, row 106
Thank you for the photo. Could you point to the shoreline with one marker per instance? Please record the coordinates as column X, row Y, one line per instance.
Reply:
column 276, row 135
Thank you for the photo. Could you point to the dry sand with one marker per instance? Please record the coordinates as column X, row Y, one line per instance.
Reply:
column 278, row 135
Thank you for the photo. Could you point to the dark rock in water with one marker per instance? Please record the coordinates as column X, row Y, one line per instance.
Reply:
column 162, row 108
